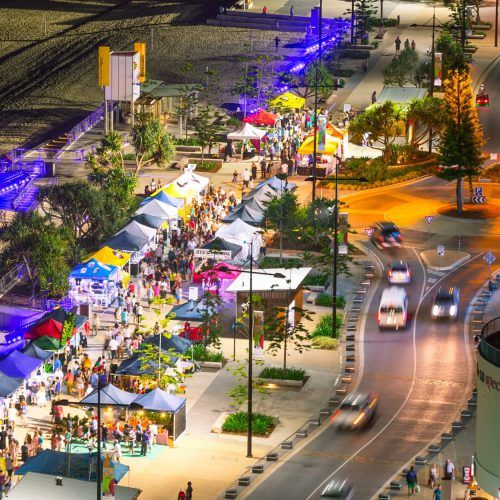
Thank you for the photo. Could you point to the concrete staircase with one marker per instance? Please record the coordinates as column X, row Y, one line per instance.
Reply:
column 255, row 20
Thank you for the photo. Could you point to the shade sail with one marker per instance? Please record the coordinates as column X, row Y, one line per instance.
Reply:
column 127, row 242
column 134, row 228
column 288, row 101
column 34, row 351
column 109, row 256
column 330, row 148
column 164, row 198
column 189, row 311
column 94, row 270
column 173, row 343
column 158, row 400
column 246, row 131
column 246, row 214
column 9, row 385
column 261, row 117
column 220, row 244
column 149, row 220
column 19, row 365
column 158, row 209
column 110, row 396
column 57, row 463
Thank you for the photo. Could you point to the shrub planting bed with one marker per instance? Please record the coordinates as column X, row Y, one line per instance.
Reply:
column 237, row 423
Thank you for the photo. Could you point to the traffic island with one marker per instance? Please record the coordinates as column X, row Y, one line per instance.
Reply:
column 471, row 211
column 445, row 260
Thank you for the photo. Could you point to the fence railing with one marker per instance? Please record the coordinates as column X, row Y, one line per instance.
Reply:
column 24, row 191
column 86, row 124
column 13, row 275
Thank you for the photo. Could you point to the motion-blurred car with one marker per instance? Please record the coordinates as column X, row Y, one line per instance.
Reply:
column 339, row 489
column 445, row 303
column 482, row 100
column 393, row 309
column 356, row 411
column 399, row 272
column 386, row 235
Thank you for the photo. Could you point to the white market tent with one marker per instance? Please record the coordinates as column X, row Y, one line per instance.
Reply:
column 159, row 209
column 140, row 230
column 195, row 181
column 267, row 282
column 246, row 132
column 241, row 233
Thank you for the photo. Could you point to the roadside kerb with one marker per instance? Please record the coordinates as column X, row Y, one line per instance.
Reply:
column 456, row 263
column 341, row 387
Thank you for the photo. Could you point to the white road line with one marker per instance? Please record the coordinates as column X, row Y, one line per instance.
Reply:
column 437, row 273
column 431, row 280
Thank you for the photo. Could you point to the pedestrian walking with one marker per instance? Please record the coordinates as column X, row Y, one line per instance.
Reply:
column 374, row 97
column 291, row 11
column 433, row 475
column 397, row 43
column 254, row 170
column 407, row 44
column 411, row 480
column 265, row 10
column 398, row 20
column 144, row 443
column 437, row 493
column 96, row 323
column 449, row 470
column 246, row 175
column 263, row 168
column 413, row 45
column 364, row 66
column 189, row 491
column 117, row 449
column 277, row 41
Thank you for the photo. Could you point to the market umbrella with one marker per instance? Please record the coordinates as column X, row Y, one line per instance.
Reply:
column 110, row 396
column 261, row 117
column 159, row 400
column 19, row 365
column 331, row 145
column 149, row 220
column 287, row 100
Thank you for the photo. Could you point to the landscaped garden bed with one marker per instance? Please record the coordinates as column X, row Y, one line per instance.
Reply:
column 283, row 377
column 237, row 423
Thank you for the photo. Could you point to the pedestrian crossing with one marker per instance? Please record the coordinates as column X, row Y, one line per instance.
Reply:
column 433, row 276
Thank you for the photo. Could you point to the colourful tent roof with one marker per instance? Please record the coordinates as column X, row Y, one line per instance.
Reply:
column 49, row 328
column 109, row 256
column 222, row 271
column 47, row 343
column 9, row 385
column 334, row 131
column 93, row 269
column 165, row 198
column 331, row 145
column 288, row 100
column 110, row 396
column 158, row 400
column 261, row 117
column 19, row 365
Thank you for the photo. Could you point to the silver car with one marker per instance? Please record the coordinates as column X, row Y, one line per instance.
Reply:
column 398, row 273
column 339, row 489
column 356, row 411
column 446, row 303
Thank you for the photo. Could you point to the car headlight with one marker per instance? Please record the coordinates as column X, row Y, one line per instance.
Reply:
column 453, row 310
column 435, row 310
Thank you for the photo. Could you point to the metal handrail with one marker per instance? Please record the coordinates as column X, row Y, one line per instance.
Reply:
column 19, row 196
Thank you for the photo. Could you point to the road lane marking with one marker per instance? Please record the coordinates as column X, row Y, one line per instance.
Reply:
column 431, row 280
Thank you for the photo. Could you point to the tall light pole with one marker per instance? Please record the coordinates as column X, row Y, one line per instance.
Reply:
column 463, row 37
column 250, row 358
column 316, row 75
column 335, row 249
column 433, row 69
column 496, row 24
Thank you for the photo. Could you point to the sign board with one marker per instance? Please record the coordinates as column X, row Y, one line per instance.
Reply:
column 484, row 180
column 479, row 199
column 478, row 191
column 124, row 79
column 193, row 293
column 369, row 231
column 343, row 249
column 440, row 250
column 429, row 219
column 347, row 108
column 321, row 133
column 493, row 156
column 141, row 49
column 103, row 67
column 489, row 258
column 207, row 253
column 466, row 474
column 438, row 68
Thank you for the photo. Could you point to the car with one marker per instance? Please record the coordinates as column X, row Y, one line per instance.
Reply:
column 339, row 489
column 482, row 100
column 393, row 309
column 355, row 411
column 386, row 235
column 399, row 272
column 445, row 303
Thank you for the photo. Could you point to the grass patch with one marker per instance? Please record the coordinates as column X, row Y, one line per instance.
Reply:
column 276, row 372
column 325, row 299
column 208, row 166
column 237, row 423
column 202, row 353
column 326, row 343
column 269, row 262
column 324, row 327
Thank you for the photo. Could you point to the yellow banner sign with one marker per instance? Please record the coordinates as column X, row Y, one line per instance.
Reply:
column 103, row 66
column 141, row 48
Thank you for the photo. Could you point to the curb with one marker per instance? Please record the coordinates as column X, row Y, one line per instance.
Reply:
column 455, row 264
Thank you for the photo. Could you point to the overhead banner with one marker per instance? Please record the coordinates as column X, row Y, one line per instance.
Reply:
column 321, row 133
column 258, row 332
column 438, row 69
column 103, row 66
column 343, row 239
column 108, row 476
column 141, row 48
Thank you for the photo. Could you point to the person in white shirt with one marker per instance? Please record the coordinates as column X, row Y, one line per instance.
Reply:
column 12, row 415
column 117, row 449
column 113, row 348
column 246, row 176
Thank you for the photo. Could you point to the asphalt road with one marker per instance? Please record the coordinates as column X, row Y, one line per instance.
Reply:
column 421, row 373
column 490, row 117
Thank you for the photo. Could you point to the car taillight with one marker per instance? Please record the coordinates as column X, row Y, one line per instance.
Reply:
column 360, row 417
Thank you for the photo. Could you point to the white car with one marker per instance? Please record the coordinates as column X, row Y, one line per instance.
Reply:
column 339, row 489
column 399, row 273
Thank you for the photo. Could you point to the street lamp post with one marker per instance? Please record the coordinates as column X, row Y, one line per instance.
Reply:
column 463, row 37
column 496, row 23
column 433, row 69
column 316, row 76
column 335, row 248
column 250, row 358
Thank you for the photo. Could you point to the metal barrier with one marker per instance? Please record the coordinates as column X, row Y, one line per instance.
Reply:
column 490, row 352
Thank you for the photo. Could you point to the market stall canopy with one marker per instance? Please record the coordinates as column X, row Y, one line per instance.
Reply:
column 134, row 228
column 36, row 352
column 241, row 233
column 110, row 396
column 9, row 385
column 261, row 117
column 110, row 257
column 149, row 220
column 173, row 343
column 220, row 244
column 190, row 311
column 50, row 325
column 334, row 131
column 158, row 400
column 19, row 365
column 246, row 131
column 246, row 214
column 127, row 242
column 222, row 271
column 94, row 270
column 158, row 209
column 255, row 204
column 55, row 463
column 331, row 145
column 266, row 281
column 287, row 100
column 188, row 185
column 263, row 192
column 279, row 185
column 135, row 366
column 47, row 343
column 164, row 198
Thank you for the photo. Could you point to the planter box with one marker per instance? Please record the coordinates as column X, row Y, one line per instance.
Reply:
column 481, row 27
column 470, row 50
column 213, row 365
column 360, row 47
column 282, row 382
column 187, row 149
column 476, row 37
column 217, row 426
